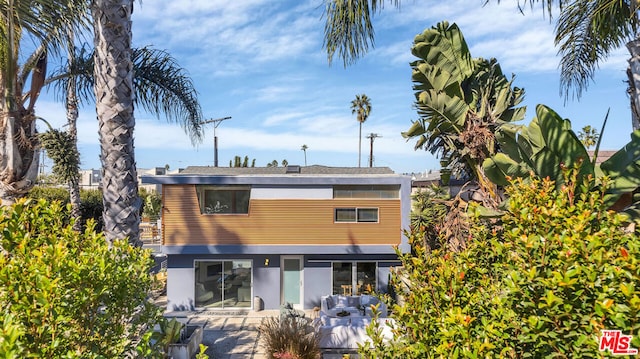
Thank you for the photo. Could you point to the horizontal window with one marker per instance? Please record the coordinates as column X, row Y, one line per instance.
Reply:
column 354, row 215
column 367, row 191
column 223, row 200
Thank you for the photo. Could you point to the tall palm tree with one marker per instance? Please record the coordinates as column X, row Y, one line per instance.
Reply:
column 71, row 101
column 587, row 32
column 304, row 149
column 43, row 22
column 361, row 107
column 161, row 85
column 114, row 106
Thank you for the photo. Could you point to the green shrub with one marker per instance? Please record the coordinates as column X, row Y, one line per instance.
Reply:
column 90, row 207
column 570, row 270
column 558, row 270
column 290, row 337
column 69, row 294
column 151, row 204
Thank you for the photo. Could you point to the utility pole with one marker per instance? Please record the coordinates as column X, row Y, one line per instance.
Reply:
column 372, row 136
column 216, row 123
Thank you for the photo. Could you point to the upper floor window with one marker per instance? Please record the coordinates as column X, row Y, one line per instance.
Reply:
column 367, row 191
column 352, row 215
column 223, row 199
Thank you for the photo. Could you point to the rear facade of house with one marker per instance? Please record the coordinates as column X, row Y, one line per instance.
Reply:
column 255, row 238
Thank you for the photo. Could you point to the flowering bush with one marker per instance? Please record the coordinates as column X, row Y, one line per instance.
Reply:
column 559, row 269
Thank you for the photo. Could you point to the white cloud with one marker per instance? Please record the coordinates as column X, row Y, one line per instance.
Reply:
column 261, row 62
column 276, row 93
column 222, row 38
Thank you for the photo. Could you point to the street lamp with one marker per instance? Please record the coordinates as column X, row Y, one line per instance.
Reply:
column 216, row 123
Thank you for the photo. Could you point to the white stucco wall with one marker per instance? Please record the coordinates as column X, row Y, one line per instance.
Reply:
column 180, row 289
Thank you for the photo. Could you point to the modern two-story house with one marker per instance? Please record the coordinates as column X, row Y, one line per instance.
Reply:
column 282, row 234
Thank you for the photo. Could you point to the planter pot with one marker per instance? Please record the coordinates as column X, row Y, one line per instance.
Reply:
column 189, row 348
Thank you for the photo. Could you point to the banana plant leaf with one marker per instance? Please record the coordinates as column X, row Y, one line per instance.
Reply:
column 544, row 147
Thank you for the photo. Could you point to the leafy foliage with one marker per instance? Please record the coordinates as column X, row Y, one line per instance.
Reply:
column 589, row 136
column 348, row 28
column 151, row 203
column 460, row 99
column 428, row 212
column 90, row 208
column 61, row 148
column 238, row 162
column 558, row 270
column 548, row 144
column 66, row 294
column 162, row 86
column 293, row 336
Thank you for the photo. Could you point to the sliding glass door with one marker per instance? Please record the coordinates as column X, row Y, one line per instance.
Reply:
column 223, row 284
column 354, row 278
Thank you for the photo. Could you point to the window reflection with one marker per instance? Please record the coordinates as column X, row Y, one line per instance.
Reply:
column 223, row 284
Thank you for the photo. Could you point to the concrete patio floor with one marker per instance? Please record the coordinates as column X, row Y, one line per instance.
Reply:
column 234, row 335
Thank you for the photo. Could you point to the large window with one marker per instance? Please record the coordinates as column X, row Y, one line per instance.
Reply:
column 353, row 215
column 223, row 199
column 354, row 278
column 223, row 284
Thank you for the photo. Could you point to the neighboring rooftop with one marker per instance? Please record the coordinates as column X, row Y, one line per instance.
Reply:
column 603, row 155
column 290, row 175
column 289, row 170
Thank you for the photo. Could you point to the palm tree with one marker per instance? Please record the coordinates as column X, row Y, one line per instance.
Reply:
column 348, row 28
column 588, row 136
column 44, row 22
column 161, row 85
column 304, row 149
column 71, row 100
column 114, row 106
column 587, row 31
column 361, row 106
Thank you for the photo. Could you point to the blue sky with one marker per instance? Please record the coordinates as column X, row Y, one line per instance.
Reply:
column 262, row 63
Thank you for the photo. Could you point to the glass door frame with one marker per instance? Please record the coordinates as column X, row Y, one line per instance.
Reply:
column 301, row 269
column 223, row 281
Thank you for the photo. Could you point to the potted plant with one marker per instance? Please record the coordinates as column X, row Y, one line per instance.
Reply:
column 177, row 340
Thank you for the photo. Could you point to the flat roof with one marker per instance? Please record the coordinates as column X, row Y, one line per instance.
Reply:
column 288, row 170
column 298, row 175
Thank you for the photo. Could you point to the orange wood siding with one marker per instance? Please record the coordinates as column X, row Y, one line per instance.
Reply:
column 290, row 221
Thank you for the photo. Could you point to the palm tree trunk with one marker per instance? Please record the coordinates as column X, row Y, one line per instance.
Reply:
column 74, row 185
column 72, row 120
column 360, row 144
column 633, row 73
column 114, row 106
column 19, row 158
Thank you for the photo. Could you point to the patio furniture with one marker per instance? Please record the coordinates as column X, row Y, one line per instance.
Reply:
column 347, row 332
column 244, row 294
column 331, row 305
column 202, row 295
